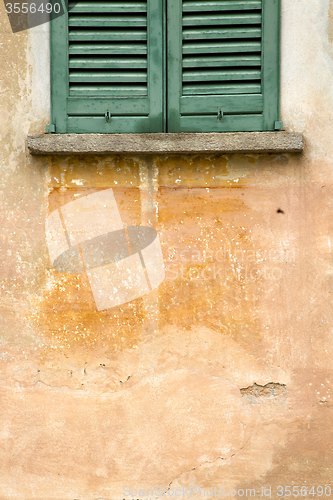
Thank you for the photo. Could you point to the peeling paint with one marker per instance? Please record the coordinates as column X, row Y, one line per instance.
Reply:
column 269, row 390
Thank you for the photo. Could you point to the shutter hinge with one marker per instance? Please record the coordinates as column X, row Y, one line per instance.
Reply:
column 220, row 114
column 278, row 125
column 107, row 116
column 50, row 128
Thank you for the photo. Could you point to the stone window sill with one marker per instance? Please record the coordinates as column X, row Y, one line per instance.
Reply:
column 184, row 143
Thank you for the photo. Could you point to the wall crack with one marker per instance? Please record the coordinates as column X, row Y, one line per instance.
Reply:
column 270, row 390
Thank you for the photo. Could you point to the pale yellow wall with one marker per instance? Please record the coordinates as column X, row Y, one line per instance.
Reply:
column 149, row 393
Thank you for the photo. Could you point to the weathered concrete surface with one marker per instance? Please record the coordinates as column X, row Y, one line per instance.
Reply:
column 241, row 142
column 220, row 378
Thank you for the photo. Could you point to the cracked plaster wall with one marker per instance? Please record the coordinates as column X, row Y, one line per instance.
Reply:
column 223, row 376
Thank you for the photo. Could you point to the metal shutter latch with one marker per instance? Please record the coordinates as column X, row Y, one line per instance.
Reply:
column 219, row 114
column 107, row 116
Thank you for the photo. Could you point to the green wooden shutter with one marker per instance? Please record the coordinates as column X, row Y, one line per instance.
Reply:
column 223, row 65
column 107, row 67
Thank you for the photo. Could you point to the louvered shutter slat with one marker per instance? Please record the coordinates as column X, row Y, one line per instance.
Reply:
column 107, row 6
column 221, row 47
column 108, row 48
column 219, row 76
column 113, row 91
column 107, row 76
column 220, row 89
column 221, row 61
column 216, row 33
column 216, row 68
column 112, row 84
column 221, row 19
column 221, row 5
column 106, row 21
column 106, row 35
column 93, row 63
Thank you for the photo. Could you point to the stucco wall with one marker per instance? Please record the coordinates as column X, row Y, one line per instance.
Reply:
column 163, row 391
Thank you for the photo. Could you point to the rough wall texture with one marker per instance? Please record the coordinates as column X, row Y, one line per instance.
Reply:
column 220, row 378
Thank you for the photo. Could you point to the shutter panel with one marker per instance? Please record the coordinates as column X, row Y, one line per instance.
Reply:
column 223, row 65
column 112, row 82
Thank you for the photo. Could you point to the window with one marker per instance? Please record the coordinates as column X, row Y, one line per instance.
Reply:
column 133, row 66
